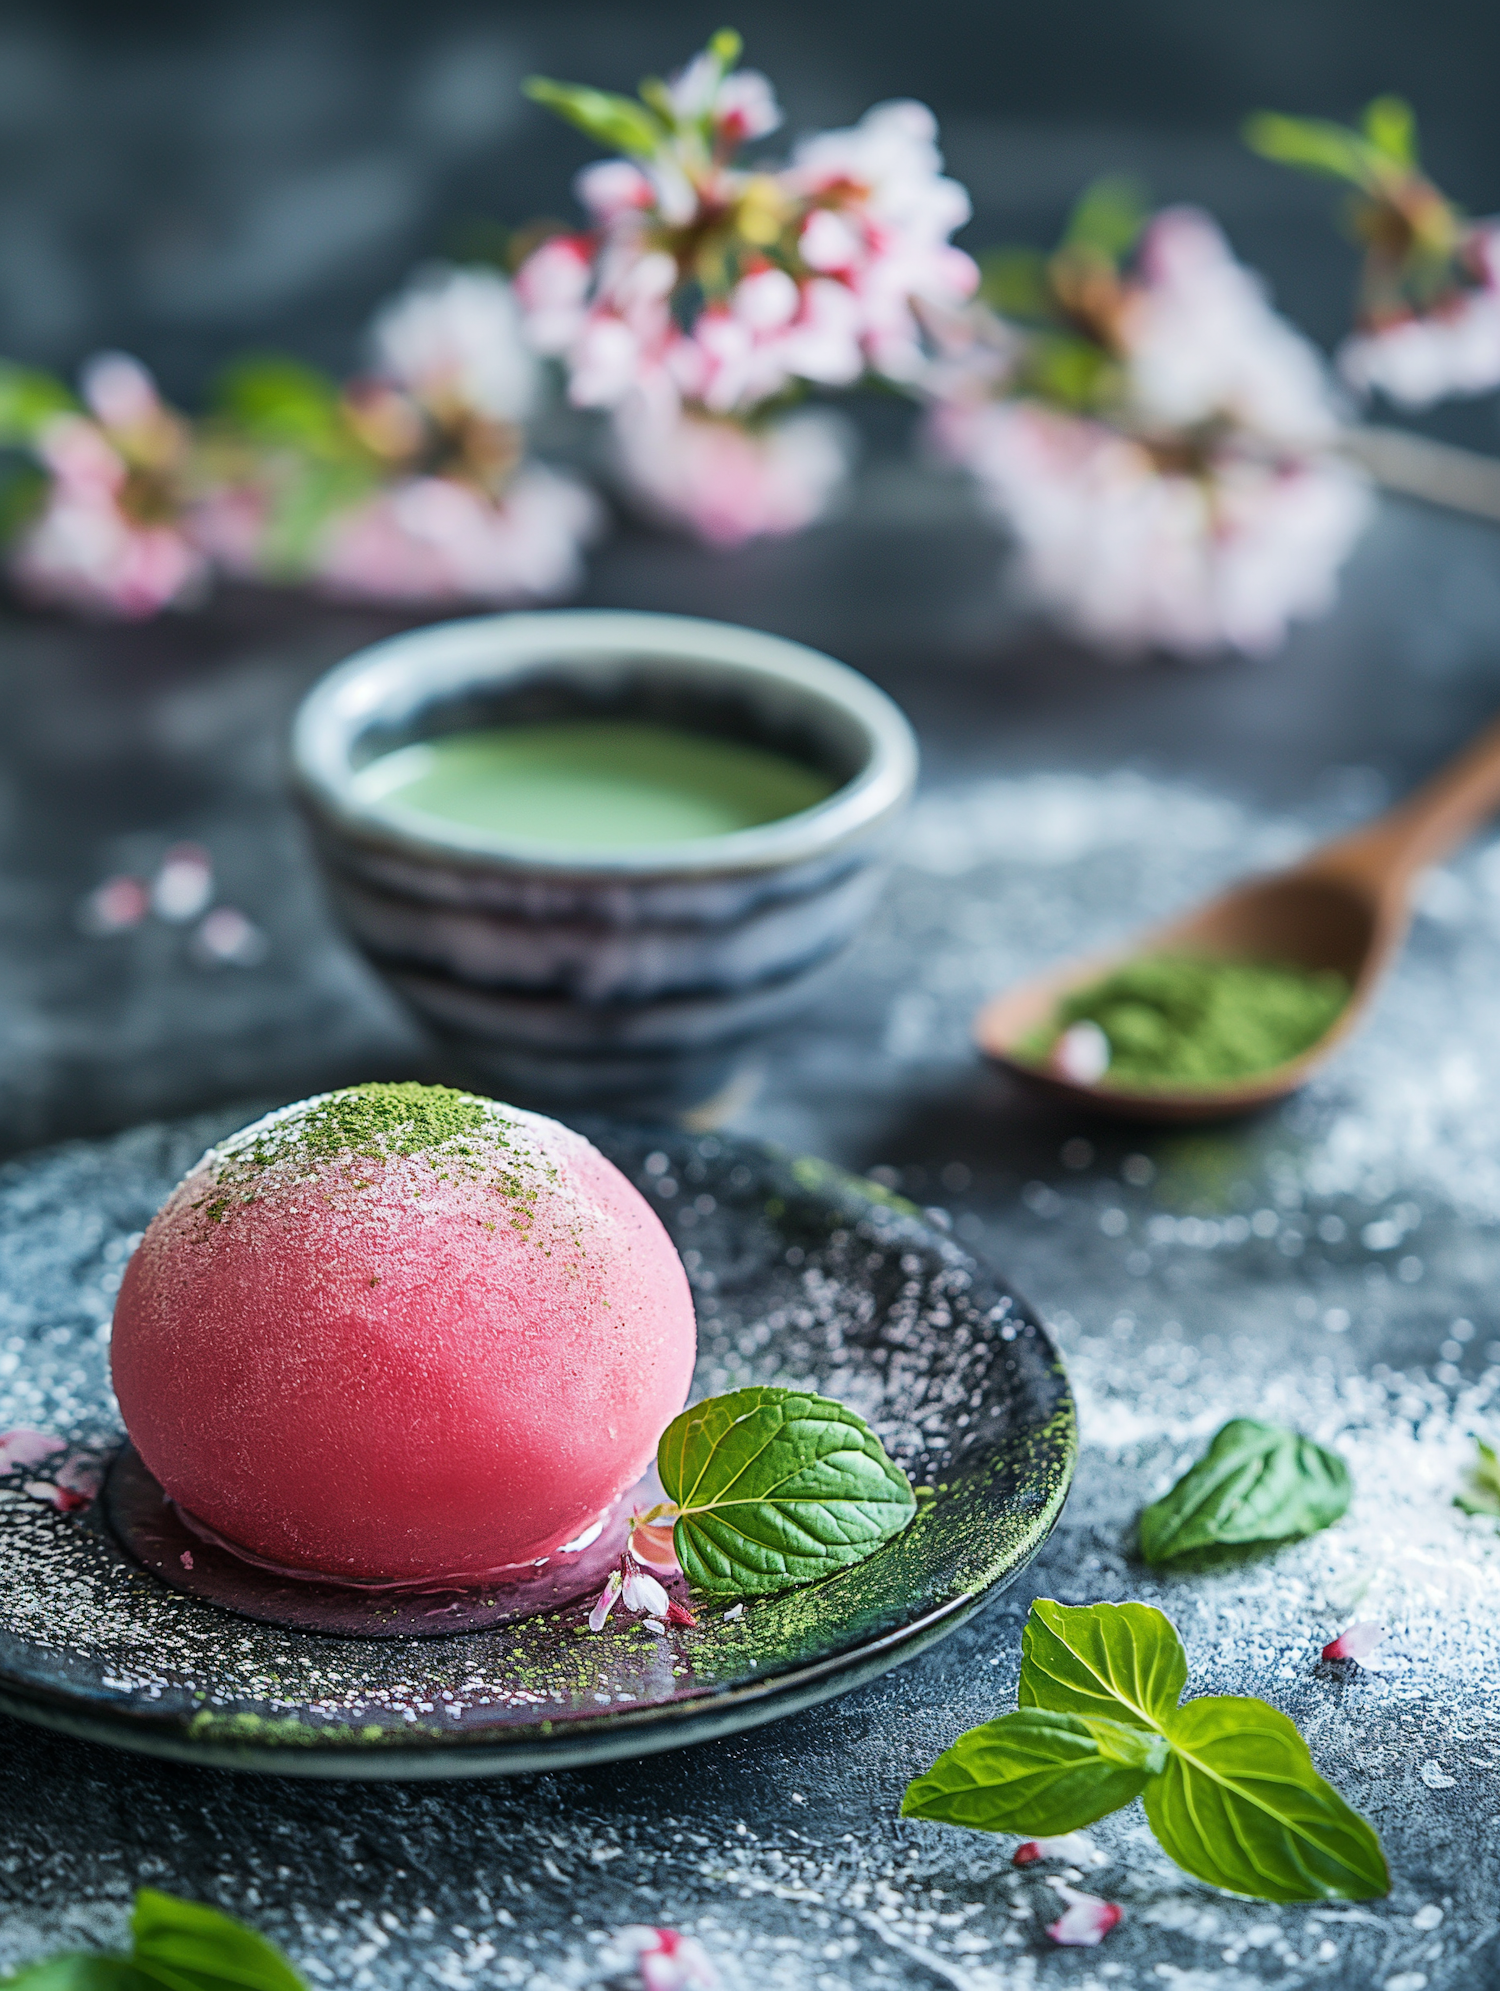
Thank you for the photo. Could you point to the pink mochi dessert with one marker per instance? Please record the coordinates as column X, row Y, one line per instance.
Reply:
column 401, row 1333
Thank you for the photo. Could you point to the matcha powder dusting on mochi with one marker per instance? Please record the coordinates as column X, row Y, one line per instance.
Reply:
column 1190, row 1020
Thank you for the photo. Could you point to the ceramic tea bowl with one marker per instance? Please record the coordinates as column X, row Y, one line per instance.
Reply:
column 634, row 977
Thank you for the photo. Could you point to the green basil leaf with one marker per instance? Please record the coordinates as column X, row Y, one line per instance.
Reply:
column 78, row 1970
column 619, row 123
column 187, row 1947
column 1240, row 1805
column 1482, row 1494
column 1118, row 1662
column 777, row 1487
column 1037, row 1773
column 1256, row 1483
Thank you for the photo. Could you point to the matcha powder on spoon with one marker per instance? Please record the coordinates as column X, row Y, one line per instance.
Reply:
column 1192, row 1021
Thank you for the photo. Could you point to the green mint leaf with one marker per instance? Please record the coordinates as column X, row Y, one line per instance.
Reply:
column 775, row 1488
column 1037, row 1773
column 79, row 1970
column 1115, row 1662
column 1482, row 1494
column 1240, row 1805
column 1256, row 1483
column 186, row 1947
column 618, row 123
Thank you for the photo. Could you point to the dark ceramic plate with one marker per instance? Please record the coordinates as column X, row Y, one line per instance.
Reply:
column 801, row 1274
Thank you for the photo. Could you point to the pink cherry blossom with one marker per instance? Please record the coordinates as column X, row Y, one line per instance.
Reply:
column 436, row 539
column 1085, row 1921
column 96, row 545
column 1203, row 344
column 1454, row 348
column 110, row 538
column 665, row 1959
column 890, row 211
column 452, row 339
column 1135, row 555
column 728, row 483
column 26, row 1449
column 1357, row 1642
column 708, row 289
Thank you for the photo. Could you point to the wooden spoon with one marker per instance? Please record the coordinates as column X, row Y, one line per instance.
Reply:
column 1344, row 906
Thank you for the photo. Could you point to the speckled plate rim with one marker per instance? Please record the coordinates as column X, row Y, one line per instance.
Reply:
column 632, row 1733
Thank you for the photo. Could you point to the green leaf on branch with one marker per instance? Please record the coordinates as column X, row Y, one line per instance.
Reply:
column 618, row 123
column 1315, row 145
column 29, row 399
column 1037, row 1773
column 775, row 1488
column 1482, row 1494
column 1239, row 1804
column 1107, row 218
column 1116, row 1662
column 1256, row 1483
column 1390, row 124
column 176, row 1946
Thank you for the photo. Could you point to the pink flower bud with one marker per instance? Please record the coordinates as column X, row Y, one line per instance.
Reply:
column 1357, row 1642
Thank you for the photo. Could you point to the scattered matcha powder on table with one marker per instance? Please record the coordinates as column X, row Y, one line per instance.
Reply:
column 1193, row 1020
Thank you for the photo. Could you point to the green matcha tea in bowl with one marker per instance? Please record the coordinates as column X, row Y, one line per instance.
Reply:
column 600, row 852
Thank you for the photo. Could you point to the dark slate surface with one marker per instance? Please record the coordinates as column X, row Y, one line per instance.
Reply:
column 1333, row 1265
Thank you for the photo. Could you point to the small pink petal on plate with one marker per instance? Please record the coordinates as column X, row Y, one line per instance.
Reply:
column 1358, row 1642
column 26, row 1448
column 1085, row 1920
column 1076, row 1848
column 679, row 1614
column 642, row 1592
column 606, row 1601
